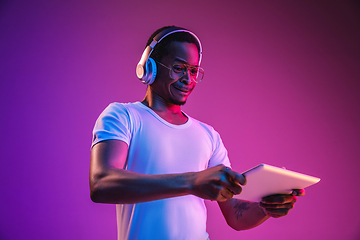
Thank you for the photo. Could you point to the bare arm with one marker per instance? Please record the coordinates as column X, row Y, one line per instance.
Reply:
column 242, row 215
column 110, row 183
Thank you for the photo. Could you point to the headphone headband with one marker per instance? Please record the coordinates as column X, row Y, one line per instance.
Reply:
column 146, row 68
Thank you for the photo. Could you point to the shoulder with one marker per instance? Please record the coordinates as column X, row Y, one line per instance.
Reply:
column 116, row 114
column 117, row 108
column 206, row 127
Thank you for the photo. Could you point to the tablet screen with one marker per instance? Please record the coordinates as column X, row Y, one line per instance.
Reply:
column 264, row 180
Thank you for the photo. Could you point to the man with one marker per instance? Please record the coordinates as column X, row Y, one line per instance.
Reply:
column 159, row 164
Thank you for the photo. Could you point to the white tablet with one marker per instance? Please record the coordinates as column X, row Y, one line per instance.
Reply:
column 264, row 180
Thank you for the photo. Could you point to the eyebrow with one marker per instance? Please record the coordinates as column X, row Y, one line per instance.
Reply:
column 177, row 59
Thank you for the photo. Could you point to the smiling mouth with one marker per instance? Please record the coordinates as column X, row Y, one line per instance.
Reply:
column 182, row 90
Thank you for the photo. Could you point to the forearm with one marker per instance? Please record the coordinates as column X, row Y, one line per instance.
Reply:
column 242, row 215
column 121, row 186
column 109, row 183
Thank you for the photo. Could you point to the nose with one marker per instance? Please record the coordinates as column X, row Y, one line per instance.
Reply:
column 186, row 77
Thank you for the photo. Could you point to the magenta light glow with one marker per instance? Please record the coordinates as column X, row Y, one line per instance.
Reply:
column 281, row 86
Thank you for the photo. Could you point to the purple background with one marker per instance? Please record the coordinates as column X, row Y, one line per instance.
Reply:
column 281, row 86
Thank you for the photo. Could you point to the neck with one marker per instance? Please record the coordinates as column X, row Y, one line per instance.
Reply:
column 159, row 104
column 168, row 111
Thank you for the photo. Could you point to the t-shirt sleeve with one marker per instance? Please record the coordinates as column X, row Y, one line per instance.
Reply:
column 112, row 124
column 220, row 155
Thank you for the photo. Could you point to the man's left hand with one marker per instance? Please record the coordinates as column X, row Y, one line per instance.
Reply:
column 279, row 205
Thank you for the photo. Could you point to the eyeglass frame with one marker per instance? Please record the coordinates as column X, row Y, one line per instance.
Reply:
column 187, row 66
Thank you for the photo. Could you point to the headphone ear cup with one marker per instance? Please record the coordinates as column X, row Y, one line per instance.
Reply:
column 140, row 71
column 151, row 70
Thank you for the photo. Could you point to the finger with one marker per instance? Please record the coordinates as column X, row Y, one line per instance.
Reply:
column 221, row 198
column 298, row 192
column 278, row 210
column 241, row 179
column 277, row 206
column 219, row 193
column 230, row 184
column 226, row 193
column 235, row 176
column 228, row 188
column 276, row 213
column 279, row 199
column 232, row 187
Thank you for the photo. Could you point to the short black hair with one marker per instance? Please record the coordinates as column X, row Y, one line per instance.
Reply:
column 161, row 49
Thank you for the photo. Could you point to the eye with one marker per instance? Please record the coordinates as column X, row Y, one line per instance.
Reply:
column 178, row 68
column 194, row 71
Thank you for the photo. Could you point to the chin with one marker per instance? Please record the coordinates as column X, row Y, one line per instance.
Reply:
column 179, row 103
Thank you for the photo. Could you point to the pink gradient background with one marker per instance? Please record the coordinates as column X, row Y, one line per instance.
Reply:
column 281, row 86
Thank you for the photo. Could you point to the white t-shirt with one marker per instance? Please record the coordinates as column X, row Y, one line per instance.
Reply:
column 159, row 147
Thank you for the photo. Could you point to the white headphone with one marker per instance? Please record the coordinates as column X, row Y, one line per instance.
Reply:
column 146, row 68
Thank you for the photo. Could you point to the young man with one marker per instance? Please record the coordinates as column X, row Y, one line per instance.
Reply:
column 159, row 164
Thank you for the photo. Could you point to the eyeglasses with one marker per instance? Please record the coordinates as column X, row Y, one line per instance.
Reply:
column 177, row 71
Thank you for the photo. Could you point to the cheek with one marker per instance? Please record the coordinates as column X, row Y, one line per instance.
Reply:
column 161, row 72
column 163, row 78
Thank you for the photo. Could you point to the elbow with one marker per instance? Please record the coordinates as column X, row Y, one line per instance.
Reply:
column 94, row 193
column 237, row 226
column 232, row 224
column 97, row 184
column 100, row 192
column 242, row 226
column 95, row 190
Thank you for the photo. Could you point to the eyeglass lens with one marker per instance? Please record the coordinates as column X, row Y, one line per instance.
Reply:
column 196, row 73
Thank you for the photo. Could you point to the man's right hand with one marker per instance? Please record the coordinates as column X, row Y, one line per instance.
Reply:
column 218, row 183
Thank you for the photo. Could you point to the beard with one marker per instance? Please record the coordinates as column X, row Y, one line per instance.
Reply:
column 179, row 103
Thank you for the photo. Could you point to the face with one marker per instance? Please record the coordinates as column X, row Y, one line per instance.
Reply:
column 170, row 90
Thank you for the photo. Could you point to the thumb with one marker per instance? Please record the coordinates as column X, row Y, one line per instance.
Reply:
column 241, row 179
column 236, row 177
